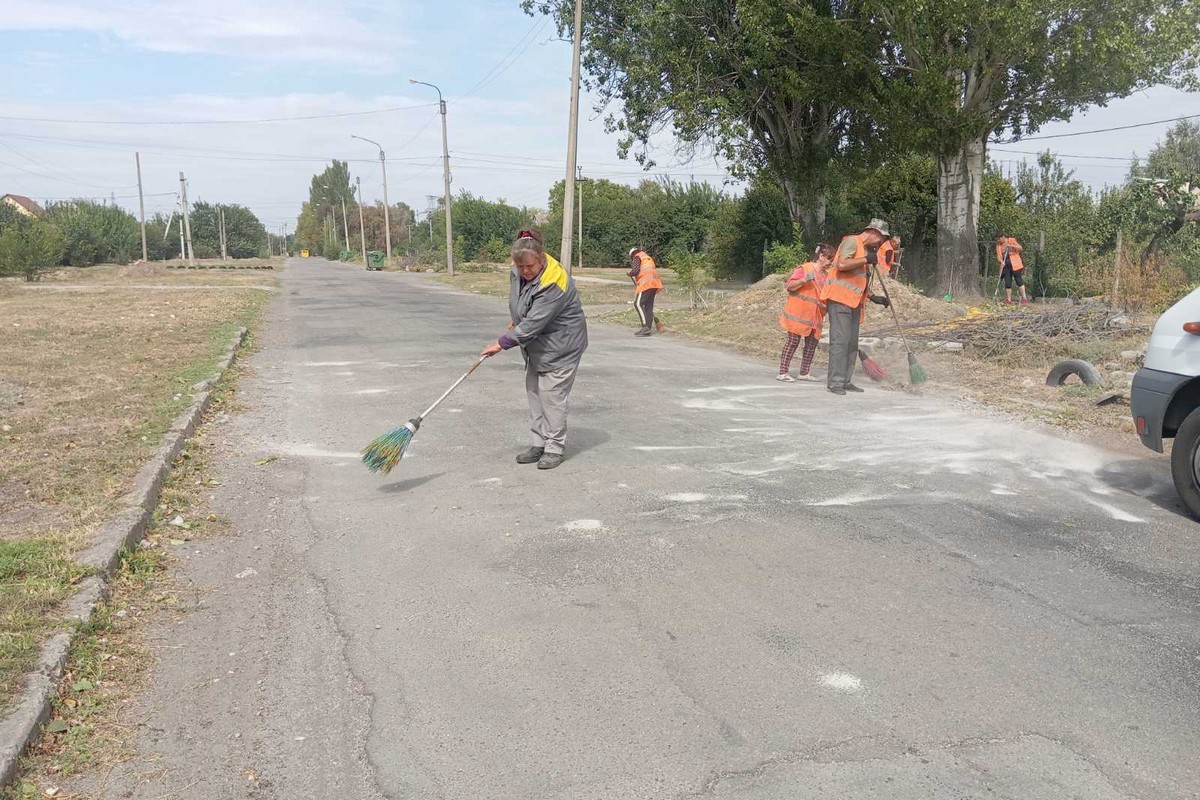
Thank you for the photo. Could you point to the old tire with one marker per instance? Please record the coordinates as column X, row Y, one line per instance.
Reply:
column 1185, row 462
column 1074, row 366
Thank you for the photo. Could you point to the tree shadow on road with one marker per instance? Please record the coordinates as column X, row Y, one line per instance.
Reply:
column 409, row 483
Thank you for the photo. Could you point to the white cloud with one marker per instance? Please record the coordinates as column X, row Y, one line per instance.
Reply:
column 268, row 30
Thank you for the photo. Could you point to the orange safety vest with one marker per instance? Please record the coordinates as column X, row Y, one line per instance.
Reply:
column 848, row 287
column 647, row 277
column 804, row 313
column 1014, row 257
column 887, row 257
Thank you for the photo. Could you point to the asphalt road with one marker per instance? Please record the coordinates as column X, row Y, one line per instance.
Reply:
column 733, row 588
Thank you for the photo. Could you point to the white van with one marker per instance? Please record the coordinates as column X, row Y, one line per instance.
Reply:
column 1165, row 397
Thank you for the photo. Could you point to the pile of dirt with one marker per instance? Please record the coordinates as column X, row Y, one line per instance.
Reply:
column 762, row 303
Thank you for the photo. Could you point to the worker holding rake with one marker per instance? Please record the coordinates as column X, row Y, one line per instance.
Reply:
column 804, row 314
column 845, row 295
column 549, row 326
column 647, row 284
column 1012, row 267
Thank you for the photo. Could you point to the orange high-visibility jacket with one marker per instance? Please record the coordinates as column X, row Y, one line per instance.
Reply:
column 804, row 313
column 647, row 277
column 848, row 287
column 1014, row 257
column 887, row 257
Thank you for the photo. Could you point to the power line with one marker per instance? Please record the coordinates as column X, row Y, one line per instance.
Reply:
column 1062, row 155
column 509, row 58
column 214, row 121
column 1100, row 130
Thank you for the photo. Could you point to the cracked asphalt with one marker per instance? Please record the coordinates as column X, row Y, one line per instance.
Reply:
column 732, row 588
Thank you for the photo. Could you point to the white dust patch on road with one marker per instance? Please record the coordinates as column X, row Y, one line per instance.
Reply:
column 700, row 497
column 248, row 572
column 344, row 374
column 747, row 388
column 490, row 482
column 453, row 410
column 854, row 498
column 1116, row 513
column 331, row 363
column 584, row 526
column 655, row 448
column 312, row 451
column 373, row 391
column 1003, row 491
column 842, row 682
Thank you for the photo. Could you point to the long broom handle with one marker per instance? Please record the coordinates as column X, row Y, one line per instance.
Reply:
column 466, row 375
column 892, row 308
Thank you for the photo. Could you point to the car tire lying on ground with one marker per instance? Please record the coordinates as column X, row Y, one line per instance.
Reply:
column 1185, row 465
column 1074, row 366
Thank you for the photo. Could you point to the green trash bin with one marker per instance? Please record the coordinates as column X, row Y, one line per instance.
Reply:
column 375, row 259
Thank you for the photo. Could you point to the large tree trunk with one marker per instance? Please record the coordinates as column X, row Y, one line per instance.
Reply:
column 960, row 177
column 807, row 210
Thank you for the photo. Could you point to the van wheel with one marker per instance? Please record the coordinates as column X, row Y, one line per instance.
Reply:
column 1185, row 462
column 1074, row 366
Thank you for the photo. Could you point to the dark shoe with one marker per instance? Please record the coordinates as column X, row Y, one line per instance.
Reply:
column 530, row 456
column 550, row 461
column 642, row 332
column 836, row 389
column 850, row 387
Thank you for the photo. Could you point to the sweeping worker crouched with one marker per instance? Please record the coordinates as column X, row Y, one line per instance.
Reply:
column 549, row 326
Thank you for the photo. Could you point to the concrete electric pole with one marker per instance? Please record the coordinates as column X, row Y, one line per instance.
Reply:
column 362, row 228
column 187, row 221
column 137, row 157
column 387, row 218
column 445, row 177
column 572, row 141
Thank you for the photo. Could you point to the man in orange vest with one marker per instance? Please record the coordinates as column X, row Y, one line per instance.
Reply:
column 803, row 314
column 644, row 272
column 1012, row 267
column 889, row 252
column 845, row 295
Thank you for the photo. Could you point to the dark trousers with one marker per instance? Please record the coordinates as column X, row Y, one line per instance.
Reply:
column 844, row 323
column 645, row 307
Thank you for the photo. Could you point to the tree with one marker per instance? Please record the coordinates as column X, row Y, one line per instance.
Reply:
column 960, row 71
column 478, row 225
column 782, row 87
column 742, row 230
column 245, row 236
column 94, row 233
column 29, row 246
column 1169, row 190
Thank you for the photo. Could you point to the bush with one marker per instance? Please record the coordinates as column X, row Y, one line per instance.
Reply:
column 29, row 247
column 693, row 269
column 784, row 258
column 495, row 251
column 94, row 233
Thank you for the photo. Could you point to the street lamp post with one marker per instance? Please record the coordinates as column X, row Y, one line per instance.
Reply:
column 445, row 175
column 362, row 230
column 387, row 218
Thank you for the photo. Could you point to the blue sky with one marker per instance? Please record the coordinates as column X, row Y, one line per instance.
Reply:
column 142, row 61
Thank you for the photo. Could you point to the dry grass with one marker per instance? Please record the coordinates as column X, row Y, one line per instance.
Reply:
column 89, row 382
column 496, row 283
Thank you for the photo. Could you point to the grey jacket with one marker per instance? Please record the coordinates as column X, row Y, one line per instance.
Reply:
column 548, row 318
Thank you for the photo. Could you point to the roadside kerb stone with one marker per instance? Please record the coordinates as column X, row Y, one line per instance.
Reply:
column 31, row 707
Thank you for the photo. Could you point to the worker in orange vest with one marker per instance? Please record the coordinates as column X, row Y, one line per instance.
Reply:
column 644, row 272
column 845, row 295
column 1012, row 267
column 804, row 314
column 889, row 255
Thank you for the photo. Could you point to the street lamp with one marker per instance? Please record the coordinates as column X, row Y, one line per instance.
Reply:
column 445, row 175
column 387, row 219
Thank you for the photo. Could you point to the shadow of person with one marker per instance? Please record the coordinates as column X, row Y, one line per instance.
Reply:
column 1148, row 478
column 580, row 440
column 409, row 483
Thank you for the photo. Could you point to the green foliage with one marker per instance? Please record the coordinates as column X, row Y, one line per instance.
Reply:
column 94, row 233
column 782, row 259
column 29, row 246
column 742, row 230
column 477, row 223
column 692, row 270
column 245, row 235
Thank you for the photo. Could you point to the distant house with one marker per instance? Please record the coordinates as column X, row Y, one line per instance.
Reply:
column 23, row 205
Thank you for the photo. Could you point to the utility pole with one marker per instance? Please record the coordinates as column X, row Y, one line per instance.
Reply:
column 580, row 180
column 345, row 224
column 362, row 228
column 182, row 248
column 137, row 157
column 387, row 216
column 445, row 177
column 572, row 140
column 430, row 207
column 187, row 221
column 224, row 241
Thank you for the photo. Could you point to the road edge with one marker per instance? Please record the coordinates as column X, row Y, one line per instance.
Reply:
column 31, row 708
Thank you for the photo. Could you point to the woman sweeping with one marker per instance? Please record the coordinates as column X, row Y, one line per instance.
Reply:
column 804, row 314
column 549, row 327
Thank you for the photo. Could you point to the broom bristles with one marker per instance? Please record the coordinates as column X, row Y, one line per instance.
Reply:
column 916, row 373
column 384, row 452
column 871, row 367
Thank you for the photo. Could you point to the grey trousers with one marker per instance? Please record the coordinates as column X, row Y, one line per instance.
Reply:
column 548, row 393
column 844, row 323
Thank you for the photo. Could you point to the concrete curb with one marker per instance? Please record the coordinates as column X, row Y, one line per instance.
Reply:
column 31, row 708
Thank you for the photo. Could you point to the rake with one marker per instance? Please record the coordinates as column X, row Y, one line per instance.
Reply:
column 916, row 373
column 384, row 452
